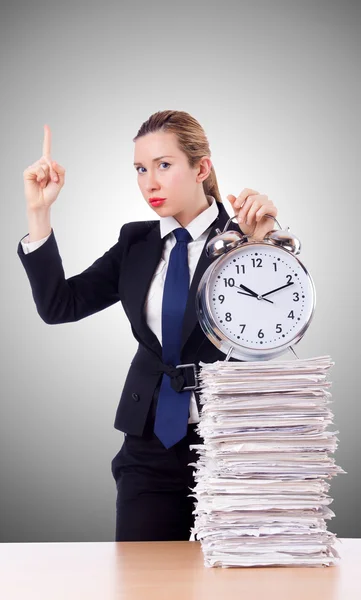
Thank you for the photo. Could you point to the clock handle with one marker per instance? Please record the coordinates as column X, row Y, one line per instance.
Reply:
column 279, row 237
column 235, row 216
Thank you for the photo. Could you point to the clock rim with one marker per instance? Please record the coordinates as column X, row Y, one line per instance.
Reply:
column 217, row 337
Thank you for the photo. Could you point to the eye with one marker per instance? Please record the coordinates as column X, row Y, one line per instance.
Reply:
column 162, row 163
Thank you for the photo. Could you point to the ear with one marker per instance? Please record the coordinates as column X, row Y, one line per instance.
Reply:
column 204, row 168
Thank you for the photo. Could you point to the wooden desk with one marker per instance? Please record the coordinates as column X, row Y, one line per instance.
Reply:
column 164, row 570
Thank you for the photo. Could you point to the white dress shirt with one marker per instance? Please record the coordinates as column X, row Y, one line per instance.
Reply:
column 199, row 229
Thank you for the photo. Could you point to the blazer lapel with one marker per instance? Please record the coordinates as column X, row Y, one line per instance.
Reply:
column 143, row 259
column 190, row 315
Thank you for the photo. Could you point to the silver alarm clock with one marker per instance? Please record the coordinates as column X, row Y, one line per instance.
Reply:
column 257, row 299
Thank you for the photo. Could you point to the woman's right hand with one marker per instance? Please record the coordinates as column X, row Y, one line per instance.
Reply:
column 44, row 179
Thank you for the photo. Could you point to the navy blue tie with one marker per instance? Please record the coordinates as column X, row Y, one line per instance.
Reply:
column 171, row 419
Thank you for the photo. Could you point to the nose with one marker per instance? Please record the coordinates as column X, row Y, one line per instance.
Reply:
column 152, row 183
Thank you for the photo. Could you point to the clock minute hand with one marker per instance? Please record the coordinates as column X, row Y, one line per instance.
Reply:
column 252, row 293
column 279, row 288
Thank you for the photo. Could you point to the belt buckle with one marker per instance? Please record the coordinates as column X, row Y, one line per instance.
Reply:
column 190, row 387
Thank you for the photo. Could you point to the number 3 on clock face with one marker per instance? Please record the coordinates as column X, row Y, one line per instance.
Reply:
column 258, row 299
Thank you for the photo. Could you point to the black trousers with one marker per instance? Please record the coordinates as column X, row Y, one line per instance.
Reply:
column 153, row 484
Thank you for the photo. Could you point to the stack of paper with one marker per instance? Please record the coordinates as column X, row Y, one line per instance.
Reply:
column 260, row 476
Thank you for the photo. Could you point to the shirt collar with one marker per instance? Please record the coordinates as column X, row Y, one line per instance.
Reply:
column 196, row 227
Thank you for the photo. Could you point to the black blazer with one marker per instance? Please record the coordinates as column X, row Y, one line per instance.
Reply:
column 123, row 273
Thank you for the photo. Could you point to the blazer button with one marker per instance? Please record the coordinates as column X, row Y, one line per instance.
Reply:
column 135, row 397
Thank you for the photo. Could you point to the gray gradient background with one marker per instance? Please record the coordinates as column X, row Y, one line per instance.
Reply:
column 276, row 86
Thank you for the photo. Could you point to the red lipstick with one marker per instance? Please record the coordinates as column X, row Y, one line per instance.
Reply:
column 155, row 201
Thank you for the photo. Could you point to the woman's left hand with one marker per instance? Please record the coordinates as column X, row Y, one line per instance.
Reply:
column 250, row 207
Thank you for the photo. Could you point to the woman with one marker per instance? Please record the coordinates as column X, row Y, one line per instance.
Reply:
column 177, row 179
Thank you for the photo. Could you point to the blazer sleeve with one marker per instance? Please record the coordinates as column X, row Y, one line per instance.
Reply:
column 61, row 300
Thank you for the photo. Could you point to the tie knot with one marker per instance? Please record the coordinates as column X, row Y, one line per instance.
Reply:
column 182, row 235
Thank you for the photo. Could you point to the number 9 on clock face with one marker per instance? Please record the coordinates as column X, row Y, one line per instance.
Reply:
column 258, row 299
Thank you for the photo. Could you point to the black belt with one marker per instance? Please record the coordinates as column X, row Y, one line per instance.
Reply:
column 183, row 377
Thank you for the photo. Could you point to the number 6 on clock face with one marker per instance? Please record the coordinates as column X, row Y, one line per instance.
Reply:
column 258, row 299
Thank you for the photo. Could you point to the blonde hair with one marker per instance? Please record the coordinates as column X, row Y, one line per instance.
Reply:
column 191, row 139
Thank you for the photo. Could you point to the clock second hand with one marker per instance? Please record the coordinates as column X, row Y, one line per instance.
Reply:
column 252, row 293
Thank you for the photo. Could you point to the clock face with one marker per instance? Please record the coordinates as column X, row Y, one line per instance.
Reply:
column 260, row 296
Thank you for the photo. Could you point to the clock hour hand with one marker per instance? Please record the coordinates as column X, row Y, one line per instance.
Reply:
column 248, row 290
column 251, row 293
column 276, row 290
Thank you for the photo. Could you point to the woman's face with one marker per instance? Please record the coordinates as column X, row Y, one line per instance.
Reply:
column 163, row 172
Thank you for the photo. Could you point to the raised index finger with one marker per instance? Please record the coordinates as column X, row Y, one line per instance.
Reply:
column 47, row 142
